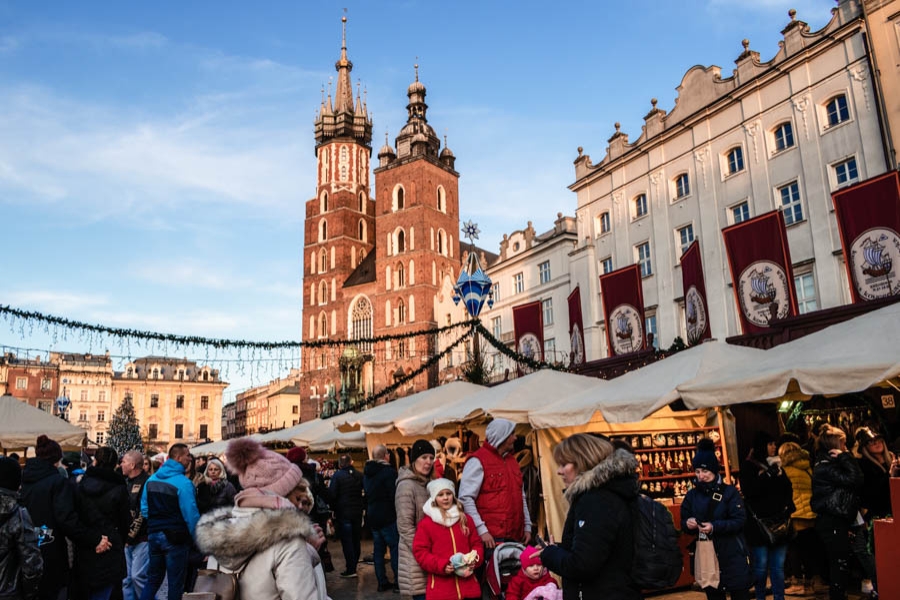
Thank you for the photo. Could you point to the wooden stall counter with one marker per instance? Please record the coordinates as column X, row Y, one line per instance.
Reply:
column 887, row 548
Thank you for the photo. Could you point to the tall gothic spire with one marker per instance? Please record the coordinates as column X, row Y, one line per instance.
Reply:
column 343, row 96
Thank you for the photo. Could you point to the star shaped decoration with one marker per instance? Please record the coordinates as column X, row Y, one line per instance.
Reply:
column 470, row 230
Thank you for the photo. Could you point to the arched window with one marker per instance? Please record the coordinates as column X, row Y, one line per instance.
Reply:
column 735, row 160
column 323, row 292
column 361, row 321
column 362, row 254
column 401, row 241
column 401, row 312
column 441, row 199
column 323, row 203
column 323, row 230
column 399, row 199
column 401, row 275
column 837, row 111
column 441, row 242
column 362, row 203
column 323, row 325
column 784, row 136
column 362, row 230
column 323, row 260
column 205, row 375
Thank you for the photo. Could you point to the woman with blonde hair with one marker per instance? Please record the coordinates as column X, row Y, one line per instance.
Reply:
column 213, row 488
column 595, row 554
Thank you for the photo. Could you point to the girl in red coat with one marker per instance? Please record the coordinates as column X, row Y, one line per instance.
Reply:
column 447, row 547
column 532, row 575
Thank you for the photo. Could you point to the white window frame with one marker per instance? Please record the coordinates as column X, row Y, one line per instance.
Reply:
column 544, row 272
column 826, row 111
column 679, row 191
column 651, row 325
column 680, row 238
column 798, row 202
column 844, row 165
column 645, row 262
column 603, row 262
column 497, row 327
column 639, row 203
column 605, row 223
column 804, row 301
column 775, row 131
column 734, row 161
column 732, row 217
column 518, row 283
column 547, row 311
column 550, row 350
column 21, row 383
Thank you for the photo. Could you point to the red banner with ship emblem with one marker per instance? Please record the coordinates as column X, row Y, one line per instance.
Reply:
column 528, row 325
column 868, row 216
column 760, row 263
column 576, row 327
column 623, row 309
column 696, row 316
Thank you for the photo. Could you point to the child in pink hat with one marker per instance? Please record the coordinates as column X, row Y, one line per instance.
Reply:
column 532, row 575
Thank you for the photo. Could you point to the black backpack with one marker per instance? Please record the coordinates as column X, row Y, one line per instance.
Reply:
column 657, row 558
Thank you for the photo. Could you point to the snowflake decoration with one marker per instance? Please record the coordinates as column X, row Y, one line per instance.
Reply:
column 470, row 230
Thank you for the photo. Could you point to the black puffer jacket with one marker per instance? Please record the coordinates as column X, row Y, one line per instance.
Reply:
column 768, row 492
column 875, row 495
column 836, row 486
column 727, row 517
column 102, row 503
column 380, row 482
column 346, row 492
column 20, row 560
column 50, row 500
column 597, row 548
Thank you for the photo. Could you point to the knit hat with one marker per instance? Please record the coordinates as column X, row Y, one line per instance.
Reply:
column 10, row 474
column 420, row 448
column 705, row 456
column 527, row 559
column 436, row 485
column 498, row 431
column 48, row 450
column 258, row 467
column 297, row 455
column 866, row 435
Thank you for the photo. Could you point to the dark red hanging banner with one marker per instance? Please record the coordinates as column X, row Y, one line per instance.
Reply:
column 576, row 327
column 623, row 309
column 696, row 316
column 868, row 216
column 528, row 324
column 760, row 263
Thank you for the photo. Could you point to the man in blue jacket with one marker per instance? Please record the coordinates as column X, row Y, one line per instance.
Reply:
column 170, row 507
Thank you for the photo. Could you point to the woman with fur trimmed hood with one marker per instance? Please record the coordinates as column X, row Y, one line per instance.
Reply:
column 597, row 549
column 263, row 536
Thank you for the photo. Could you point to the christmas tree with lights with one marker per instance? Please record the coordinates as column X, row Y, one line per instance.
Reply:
column 124, row 432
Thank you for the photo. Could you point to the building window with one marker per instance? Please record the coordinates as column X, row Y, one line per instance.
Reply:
column 606, row 265
column 805, row 288
column 399, row 200
column 401, row 275
column 179, row 401
column 362, row 230
column 837, row 110
column 295, row 410
column 101, row 396
column 652, row 334
column 605, row 224
column 361, row 325
column 323, row 260
column 740, row 213
column 323, row 230
column 682, row 186
column 643, row 257
column 547, row 307
column 735, row 160
column 83, row 396
column 204, row 402
column 154, row 400
column 497, row 327
column 684, row 236
column 152, row 431
column 640, row 206
column 46, row 385
column 518, row 283
column 550, row 350
column 46, row 406
column 401, row 241
column 846, row 173
column 784, row 136
column 790, row 203
column 362, row 203
column 204, row 431
column 21, row 383
column 100, row 436
column 179, row 431
column 401, row 313
column 441, row 199
column 101, row 415
column 544, row 270
column 496, row 289
column 323, row 205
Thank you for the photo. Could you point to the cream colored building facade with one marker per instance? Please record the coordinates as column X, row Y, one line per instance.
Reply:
column 87, row 380
column 780, row 134
column 175, row 400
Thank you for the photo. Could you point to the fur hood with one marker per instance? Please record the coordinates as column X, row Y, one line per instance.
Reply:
column 797, row 458
column 620, row 465
column 233, row 535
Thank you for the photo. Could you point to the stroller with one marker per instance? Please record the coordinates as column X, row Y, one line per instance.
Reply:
column 504, row 563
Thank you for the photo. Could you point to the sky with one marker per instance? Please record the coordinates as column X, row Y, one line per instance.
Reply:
column 155, row 158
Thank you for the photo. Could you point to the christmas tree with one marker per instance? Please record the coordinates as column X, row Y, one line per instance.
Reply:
column 124, row 431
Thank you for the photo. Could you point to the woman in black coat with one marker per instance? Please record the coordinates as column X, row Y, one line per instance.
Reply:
column 102, row 502
column 595, row 555
column 213, row 488
column 769, row 494
column 715, row 510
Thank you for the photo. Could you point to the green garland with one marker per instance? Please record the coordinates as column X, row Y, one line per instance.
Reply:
column 521, row 359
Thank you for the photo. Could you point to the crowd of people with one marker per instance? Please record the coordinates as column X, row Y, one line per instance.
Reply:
column 136, row 528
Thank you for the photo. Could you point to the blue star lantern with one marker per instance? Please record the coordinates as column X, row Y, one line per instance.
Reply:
column 473, row 286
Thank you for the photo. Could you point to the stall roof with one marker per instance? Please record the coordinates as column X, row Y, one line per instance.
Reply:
column 382, row 419
column 23, row 423
column 512, row 400
column 844, row 358
column 640, row 393
column 218, row 447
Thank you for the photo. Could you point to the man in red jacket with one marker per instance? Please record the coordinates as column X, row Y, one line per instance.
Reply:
column 491, row 491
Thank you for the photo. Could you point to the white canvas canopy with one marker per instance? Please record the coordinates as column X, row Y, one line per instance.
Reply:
column 217, row 448
column 640, row 393
column 511, row 400
column 383, row 419
column 23, row 423
column 844, row 358
column 337, row 440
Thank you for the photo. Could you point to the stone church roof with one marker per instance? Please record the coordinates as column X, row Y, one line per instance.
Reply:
column 364, row 272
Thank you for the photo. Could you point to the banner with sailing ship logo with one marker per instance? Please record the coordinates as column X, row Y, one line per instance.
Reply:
column 868, row 216
column 623, row 309
column 528, row 325
column 576, row 327
column 760, row 263
column 696, row 317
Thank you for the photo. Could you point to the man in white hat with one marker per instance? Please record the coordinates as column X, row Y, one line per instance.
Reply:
column 491, row 488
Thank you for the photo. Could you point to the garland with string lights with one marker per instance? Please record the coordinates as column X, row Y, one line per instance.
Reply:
column 521, row 359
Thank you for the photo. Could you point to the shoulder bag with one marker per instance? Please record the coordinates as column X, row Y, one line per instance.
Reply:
column 216, row 584
column 706, row 562
column 777, row 530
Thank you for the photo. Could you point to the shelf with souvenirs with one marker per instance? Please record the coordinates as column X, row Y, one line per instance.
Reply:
column 665, row 459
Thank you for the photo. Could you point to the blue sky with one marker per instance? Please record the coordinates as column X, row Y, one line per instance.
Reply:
column 155, row 158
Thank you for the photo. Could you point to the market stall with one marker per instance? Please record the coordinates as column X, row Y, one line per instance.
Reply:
column 23, row 423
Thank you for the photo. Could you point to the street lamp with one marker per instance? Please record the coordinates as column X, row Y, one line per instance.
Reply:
column 473, row 286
